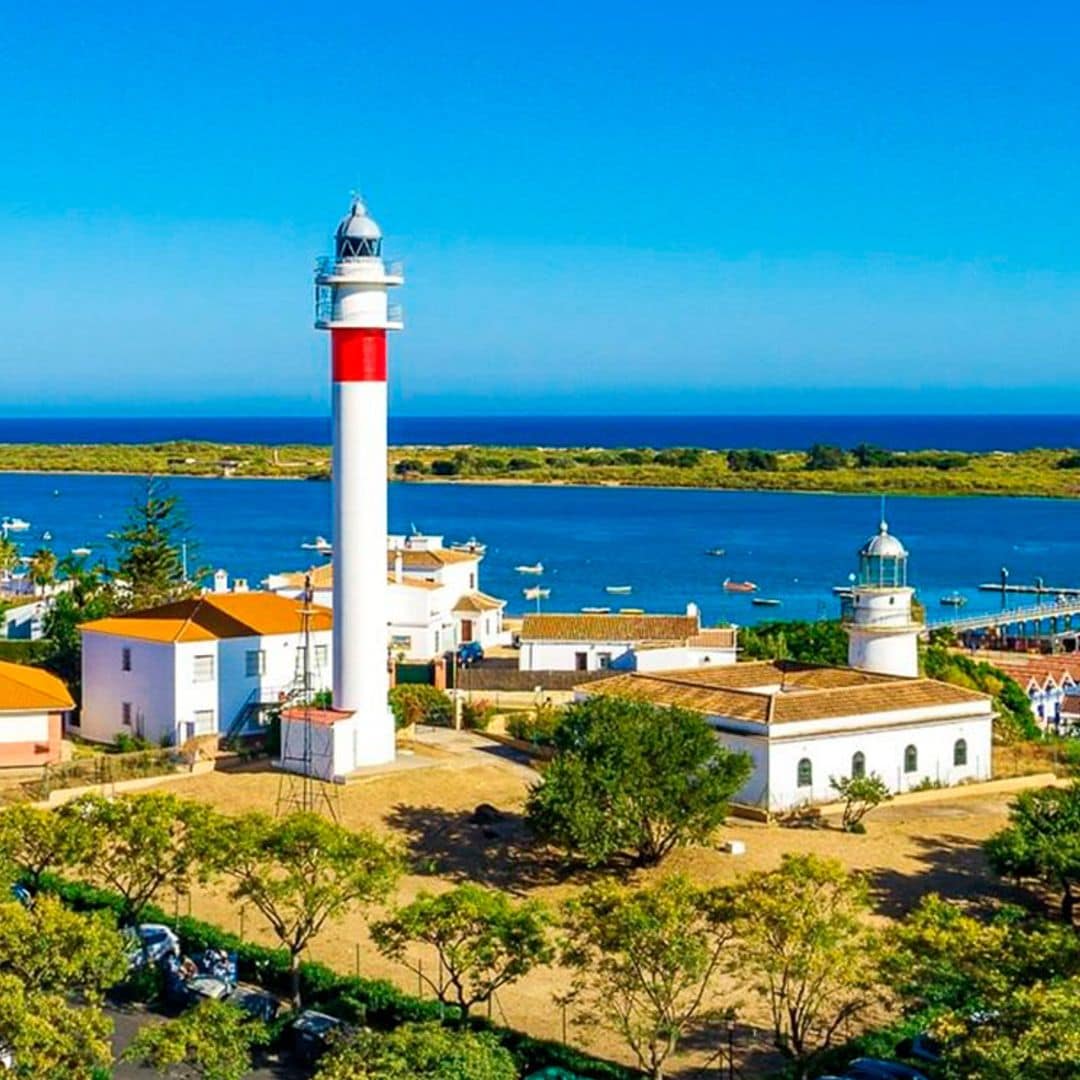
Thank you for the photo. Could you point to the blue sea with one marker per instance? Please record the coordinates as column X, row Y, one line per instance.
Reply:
column 796, row 547
column 724, row 432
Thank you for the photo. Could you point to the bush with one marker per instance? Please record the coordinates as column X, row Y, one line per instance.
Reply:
column 752, row 461
column 417, row 703
column 537, row 727
column 476, row 715
column 825, row 456
column 442, row 467
column 129, row 744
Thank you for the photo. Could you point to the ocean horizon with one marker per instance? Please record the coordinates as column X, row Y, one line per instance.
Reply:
column 774, row 432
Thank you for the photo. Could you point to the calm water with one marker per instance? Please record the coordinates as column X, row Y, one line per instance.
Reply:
column 783, row 432
column 795, row 546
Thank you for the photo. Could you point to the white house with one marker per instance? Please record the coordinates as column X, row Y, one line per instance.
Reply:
column 24, row 622
column 33, row 704
column 434, row 599
column 214, row 664
column 622, row 642
column 804, row 725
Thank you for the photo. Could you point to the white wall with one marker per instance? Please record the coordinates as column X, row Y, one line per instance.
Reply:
column 20, row 727
column 561, row 655
column 682, row 656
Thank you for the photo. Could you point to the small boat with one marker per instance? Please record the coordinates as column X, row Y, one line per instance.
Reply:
column 739, row 586
column 536, row 568
column 765, row 601
column 536, row 593
column 953, row 599
column 46, row 535
column 631, row 611
column 619, row 590
column 716, row 551
column 596, row 611
column 472, row 546
column 81, row 552
column 14, row 524
column 319, row 544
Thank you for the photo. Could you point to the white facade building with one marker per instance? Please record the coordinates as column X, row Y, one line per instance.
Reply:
column 214, row 664
column 622, row 642
column 434, row 601
column 804, row 725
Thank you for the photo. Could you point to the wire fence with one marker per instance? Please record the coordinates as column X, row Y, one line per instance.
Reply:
column 99, row 769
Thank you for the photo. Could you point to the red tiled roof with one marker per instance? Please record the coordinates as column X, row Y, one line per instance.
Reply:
column 573, row 627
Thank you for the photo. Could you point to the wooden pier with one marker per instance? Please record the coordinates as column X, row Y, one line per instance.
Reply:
column 1031, row 590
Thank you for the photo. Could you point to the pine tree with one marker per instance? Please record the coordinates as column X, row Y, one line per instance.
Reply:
column 150, row 562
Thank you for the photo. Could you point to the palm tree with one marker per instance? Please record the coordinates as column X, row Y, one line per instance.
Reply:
column 43, row 568
column 9, row 555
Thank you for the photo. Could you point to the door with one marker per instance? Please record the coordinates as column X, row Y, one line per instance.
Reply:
column 581, row 661
column 466, row 630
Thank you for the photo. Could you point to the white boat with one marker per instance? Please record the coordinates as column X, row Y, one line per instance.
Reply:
column 81, row 552
column 14, row 524
column 536, row 568
column 472, row 546
column 319, row 544
column 46, row 535
column 619, row 590
column 536, row 593
column 596, row 611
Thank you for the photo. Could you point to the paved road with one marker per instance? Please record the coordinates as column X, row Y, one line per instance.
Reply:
column 128, row 1022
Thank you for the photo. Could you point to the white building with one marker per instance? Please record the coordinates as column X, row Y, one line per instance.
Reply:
column 804, row 725
column 622, row 642
column 434, row 601
column 214, row 664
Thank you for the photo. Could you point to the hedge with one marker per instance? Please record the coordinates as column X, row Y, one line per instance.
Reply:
column 374, row 1002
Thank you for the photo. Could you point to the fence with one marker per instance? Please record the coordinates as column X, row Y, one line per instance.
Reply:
column 105, row 769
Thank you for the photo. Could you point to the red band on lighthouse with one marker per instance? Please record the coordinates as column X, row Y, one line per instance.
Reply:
column 358, row 354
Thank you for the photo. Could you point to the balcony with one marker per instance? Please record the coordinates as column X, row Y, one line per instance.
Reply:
column 393, row 272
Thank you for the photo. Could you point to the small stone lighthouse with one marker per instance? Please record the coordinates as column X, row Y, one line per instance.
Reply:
column 883, row 629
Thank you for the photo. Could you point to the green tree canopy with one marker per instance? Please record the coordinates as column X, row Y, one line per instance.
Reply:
column 644, row 960
column 43, row 567
column 860, row 794
column 35, row 841
column 483, row 940
column 302, row 872
column 214, row 1040
column 825, row 456
column 89, row 596
column 1042, row 842
column 631, row 776
column 822, row 642
column 419, row 1052
column 806, row 949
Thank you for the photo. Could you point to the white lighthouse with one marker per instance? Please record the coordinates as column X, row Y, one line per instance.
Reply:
column 351, row 302
column 883, row 630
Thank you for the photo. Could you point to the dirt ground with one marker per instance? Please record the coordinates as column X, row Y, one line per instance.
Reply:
column 427, row 802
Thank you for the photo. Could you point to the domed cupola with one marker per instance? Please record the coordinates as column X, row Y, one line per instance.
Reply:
column 883, row 561
column 358, row 236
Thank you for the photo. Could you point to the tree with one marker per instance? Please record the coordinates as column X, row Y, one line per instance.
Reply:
column 604, row 793
column 825, row 456
column 752, row 460
column 9, row 555
column 860, row 794
column 49, row 947
column 36, row 842
column 868, row 456
column 805, row 947
column 43, row 568
column 49, row 1039
column 483, row 939
column 419, row 1052
column 418, row 703
column 89, row 596
column 822, row 642
column 214, row 1039
column 644, row 960
column 302, row 872
column 150, row 562
column 141, row 843
column 1042, row 843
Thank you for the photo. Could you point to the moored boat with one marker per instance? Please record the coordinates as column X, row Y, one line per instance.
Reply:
column 765, row 601
column 535, row 568
column 536, row 593
column 619, row 590
column 596, row 611
column 81, row 552
column 319, row 544
column 739, row 586
column 472, row 546
column 14, row 524
column 953, row 599
column 716, row 551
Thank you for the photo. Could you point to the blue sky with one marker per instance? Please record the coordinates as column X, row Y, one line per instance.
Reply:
column 602, row 207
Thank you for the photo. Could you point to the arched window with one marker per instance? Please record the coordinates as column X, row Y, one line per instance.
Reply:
column 858, row 764
column 959, row 752
column 806, row 773
column 911, row 759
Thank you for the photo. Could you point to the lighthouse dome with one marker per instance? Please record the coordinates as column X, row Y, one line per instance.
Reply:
column 884, row 545
column 883, row 561
column 358, row 235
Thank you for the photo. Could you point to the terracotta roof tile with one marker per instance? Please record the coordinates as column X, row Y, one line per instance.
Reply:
column 573, row 627
column 478, row 602
column 24, row 688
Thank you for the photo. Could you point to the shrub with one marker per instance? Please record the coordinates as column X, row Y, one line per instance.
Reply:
column 476, row 715
column 442, row 467
column 825, row 456
column 537, row 727
column 418, row 703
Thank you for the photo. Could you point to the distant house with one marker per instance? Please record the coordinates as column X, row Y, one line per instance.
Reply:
column 33, row 705
column 1052, row 684
column 803, row 725
column 215, row 664
column 24, row 622
column 434, row 601
column 622, row 642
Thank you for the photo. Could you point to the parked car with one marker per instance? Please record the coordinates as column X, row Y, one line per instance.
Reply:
column 150, row 943
column 313, row 1032
column 256, row 1002
column 469, row 653
column 921, row 1047
column 877, row 1069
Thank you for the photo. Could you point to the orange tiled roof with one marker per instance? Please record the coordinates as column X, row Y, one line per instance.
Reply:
column 24, row 688
column 213, row 616
column 573, row 627
column 749, row 691
column 1060, row 670
column 420, row 559
column 478, row 601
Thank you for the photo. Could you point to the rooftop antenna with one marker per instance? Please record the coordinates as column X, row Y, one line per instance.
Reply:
column 884, row 523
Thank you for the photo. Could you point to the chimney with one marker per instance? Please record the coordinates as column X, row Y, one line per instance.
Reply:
column 240, row 584
column 694, row 612
column 399, row 566
column 221, row 581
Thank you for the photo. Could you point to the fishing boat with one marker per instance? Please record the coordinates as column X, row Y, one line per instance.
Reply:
column 81, row 552
column 619, row 590
column 739, row 586
column 14, row 524
column 953, row 599
column 319, row 544
column 716, row 551
column 472, row 546
column 536, row 568
column 765, row 601
column 536, row 593
column 596, row 611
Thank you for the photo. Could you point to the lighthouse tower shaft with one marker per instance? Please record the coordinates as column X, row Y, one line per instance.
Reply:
column 351, row 302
